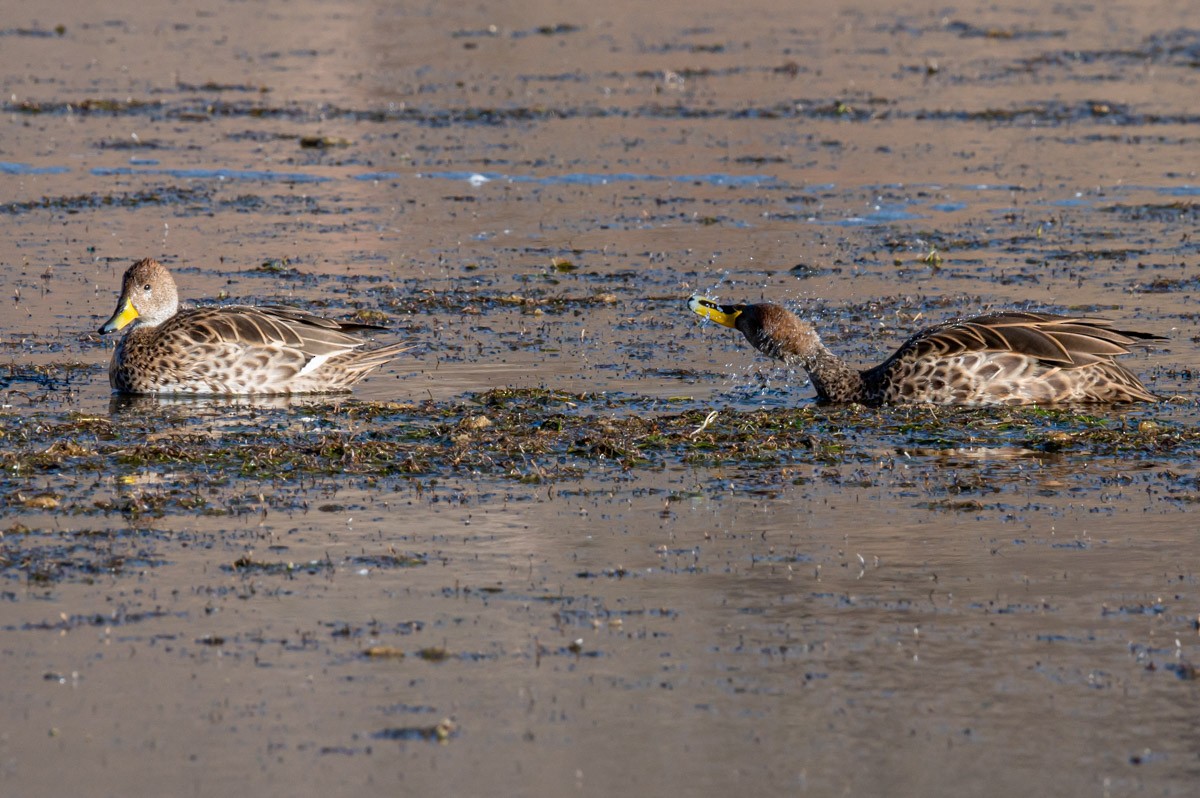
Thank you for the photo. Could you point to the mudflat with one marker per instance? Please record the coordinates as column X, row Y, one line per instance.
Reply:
column 578, row 541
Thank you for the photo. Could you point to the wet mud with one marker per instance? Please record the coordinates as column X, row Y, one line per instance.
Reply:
column 578, row 540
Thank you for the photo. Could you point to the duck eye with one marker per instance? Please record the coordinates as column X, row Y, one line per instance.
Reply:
column 146, row 287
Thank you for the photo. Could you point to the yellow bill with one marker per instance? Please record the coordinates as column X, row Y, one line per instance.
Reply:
column 125, row 314
column 725, row 315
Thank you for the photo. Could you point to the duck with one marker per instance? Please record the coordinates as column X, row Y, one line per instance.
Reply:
column 1004, row 358
column 234, row 349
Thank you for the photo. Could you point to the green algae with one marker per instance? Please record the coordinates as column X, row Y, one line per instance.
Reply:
column 527, row 436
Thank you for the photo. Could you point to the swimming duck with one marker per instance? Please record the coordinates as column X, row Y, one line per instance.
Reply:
column 235, row 349
column 1010, row 358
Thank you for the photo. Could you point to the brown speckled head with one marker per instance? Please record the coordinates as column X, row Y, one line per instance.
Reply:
column 148, row 296
column 770, row 329
column 778, row 333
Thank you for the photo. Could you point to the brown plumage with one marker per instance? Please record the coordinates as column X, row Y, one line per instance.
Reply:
column 1011, row 358
column 235, row 349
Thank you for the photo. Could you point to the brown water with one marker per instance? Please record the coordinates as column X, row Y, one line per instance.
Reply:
column 531, row 191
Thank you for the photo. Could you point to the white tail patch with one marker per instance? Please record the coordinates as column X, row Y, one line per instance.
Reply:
column 315, row 364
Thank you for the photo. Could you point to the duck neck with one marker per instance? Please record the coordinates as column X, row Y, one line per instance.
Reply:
column 833, row 380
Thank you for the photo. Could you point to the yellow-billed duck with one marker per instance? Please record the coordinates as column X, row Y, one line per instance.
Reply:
column 1010, row 358
column 234, row 349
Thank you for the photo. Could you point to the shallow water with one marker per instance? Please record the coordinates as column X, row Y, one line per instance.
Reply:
column 592, row 594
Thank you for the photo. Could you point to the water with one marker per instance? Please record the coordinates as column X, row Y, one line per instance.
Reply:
column 594, row 593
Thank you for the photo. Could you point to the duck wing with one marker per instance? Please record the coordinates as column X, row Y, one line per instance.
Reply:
column 266, row 326
column 1060, row 341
